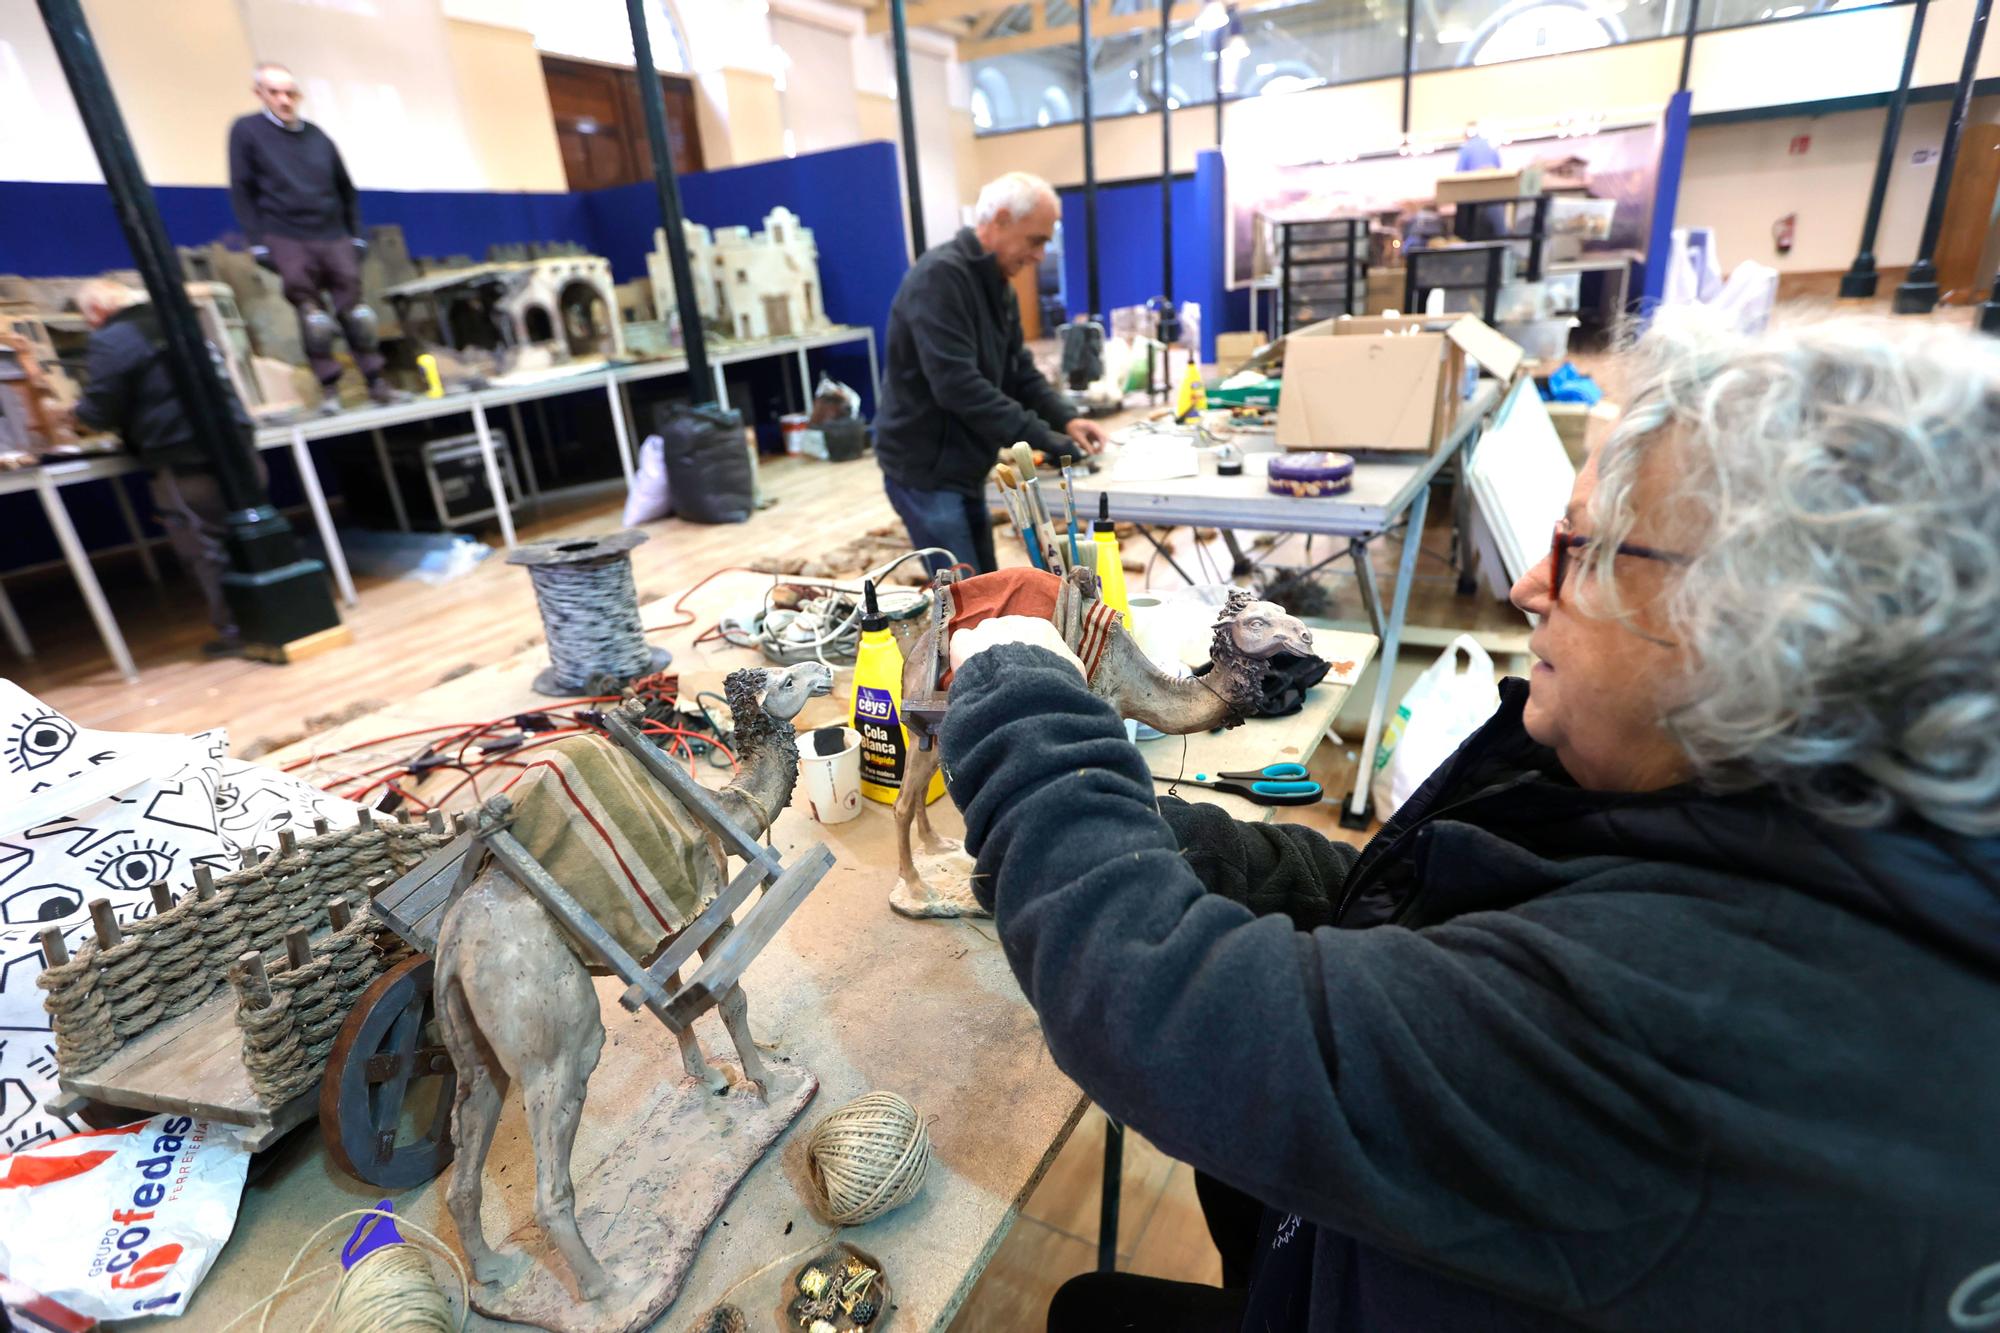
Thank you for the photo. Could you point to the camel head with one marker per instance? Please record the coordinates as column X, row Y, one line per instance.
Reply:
column 779, row 693
column 1248, row 635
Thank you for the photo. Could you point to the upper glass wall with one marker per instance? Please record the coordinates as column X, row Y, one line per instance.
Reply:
column 1293, row 44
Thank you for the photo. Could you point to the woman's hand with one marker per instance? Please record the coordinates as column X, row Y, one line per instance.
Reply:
column 967, row 644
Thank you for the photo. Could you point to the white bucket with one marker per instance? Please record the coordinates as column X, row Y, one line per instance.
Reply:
column 832, row 781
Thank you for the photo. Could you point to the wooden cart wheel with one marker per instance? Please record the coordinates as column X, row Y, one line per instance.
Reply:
column 389, row 1040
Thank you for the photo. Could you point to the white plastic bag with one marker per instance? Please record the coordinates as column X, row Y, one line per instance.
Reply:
column 1443, row 707
column 123, row 1222
column 650, row 497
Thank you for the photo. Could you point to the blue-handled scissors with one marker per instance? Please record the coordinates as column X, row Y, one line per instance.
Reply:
column 1273, row 784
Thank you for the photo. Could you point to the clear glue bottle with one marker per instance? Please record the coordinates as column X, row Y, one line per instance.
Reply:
column 1110, row 564
column 878, row 708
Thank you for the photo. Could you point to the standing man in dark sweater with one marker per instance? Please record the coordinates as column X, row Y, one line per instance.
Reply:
column 298, row 208
column 959, row 384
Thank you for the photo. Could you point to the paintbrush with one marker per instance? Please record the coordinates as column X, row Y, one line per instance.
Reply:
column 1069, row 508
column 1031, row 486
column 1019, row 510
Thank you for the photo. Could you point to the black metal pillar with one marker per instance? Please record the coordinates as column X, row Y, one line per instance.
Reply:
column 1859, row 281
column 906, row 103
column 1687, row 45
column 694, row 339
column 1409, row 59
column 1094, row 309
column 277, row 598
column 1917, row 294
column 1170, row 320
column 1215, row 41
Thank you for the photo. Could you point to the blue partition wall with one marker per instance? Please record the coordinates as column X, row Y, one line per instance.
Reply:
column 1128, row 248
column 850, row 197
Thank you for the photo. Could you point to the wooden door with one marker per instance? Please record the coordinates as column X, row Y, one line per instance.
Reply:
column 1030, row 301
column 601, row 127
column 1968, row 216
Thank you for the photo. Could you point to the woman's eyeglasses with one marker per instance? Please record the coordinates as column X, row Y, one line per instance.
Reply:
column 1564, row 541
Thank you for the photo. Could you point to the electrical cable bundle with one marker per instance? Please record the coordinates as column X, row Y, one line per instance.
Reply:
column 493, row 748
column 590, row 610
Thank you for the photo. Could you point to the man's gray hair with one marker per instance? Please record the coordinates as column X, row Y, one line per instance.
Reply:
column 257, row 70
column 1017, row 193
column 1837, row 483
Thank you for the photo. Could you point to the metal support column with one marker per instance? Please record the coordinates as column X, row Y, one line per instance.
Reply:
column 322, row 516
column 276, row 596
column 1169, row 316
column 906, row 105
column 1917, row 294
column 1687, row 44
column 1109, row 1196
column 1093, row 306
column 1858, row 283
column 693, row 337
column 1409, row 60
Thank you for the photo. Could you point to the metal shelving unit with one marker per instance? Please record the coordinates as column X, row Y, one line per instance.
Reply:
column 1323, row 270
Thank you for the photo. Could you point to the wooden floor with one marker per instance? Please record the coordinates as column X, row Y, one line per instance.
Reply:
column 409, row 637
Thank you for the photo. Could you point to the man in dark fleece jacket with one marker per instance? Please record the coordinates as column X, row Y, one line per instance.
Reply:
column 1671, row 1001
column 129, row 391
column 302, row 217
column 958, row 384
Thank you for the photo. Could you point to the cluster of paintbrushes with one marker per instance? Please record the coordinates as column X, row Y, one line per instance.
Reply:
column 1049, row 547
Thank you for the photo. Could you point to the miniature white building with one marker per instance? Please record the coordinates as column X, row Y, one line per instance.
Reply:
column 769, row 283
column 701, row 251
column 751, row 287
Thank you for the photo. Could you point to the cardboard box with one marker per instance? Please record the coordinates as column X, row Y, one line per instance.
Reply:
column 1369, row 392
column 1385, row 289
column 1233, row 349
column 1381, row 383
column 1474, row 187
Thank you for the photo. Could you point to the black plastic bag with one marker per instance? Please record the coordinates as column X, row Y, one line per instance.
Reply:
column 708, row 462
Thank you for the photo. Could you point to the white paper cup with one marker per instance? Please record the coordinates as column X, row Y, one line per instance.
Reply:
column 833, row 781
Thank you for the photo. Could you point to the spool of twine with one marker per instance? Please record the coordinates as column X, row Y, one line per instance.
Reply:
column 390, row 1291
column 866, row 1158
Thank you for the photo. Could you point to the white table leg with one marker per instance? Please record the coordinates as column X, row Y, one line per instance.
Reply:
column 721, row 387
column 874, row 373
column 1385, row 662
column 805, row 383
column 139, row 542
column 498, row 488
column 520, row 451
column 11, row 623
column 86, row 577
column 389, row 481
column 336, row 558
column 620, row 429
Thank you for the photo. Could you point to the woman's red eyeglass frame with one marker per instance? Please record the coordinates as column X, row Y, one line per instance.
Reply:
column 1563, row 541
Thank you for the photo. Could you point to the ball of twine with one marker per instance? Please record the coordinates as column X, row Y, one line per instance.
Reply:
column 866, row 1158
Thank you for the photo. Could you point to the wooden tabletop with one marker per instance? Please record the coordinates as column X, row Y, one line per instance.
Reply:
column 860, row 996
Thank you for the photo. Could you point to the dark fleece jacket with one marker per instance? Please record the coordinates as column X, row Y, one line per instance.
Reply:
column 1543, row 1058
column 958, row 384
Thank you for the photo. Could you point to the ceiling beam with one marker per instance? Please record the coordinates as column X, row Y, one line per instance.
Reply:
column 1110, row 25
column 930, row 13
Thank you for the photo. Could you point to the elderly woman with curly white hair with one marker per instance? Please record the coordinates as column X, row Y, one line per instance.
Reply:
column 1672, row 1000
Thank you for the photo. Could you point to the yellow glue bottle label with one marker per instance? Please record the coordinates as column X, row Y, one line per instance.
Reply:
column 878, row 708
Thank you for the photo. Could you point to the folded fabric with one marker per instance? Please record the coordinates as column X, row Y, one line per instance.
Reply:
column 614, row 838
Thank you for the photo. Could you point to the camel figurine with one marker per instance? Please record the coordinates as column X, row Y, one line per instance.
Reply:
column 1248, row 634
column 516, row 1003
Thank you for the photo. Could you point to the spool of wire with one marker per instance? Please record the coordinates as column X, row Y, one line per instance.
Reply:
column 590, row 610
